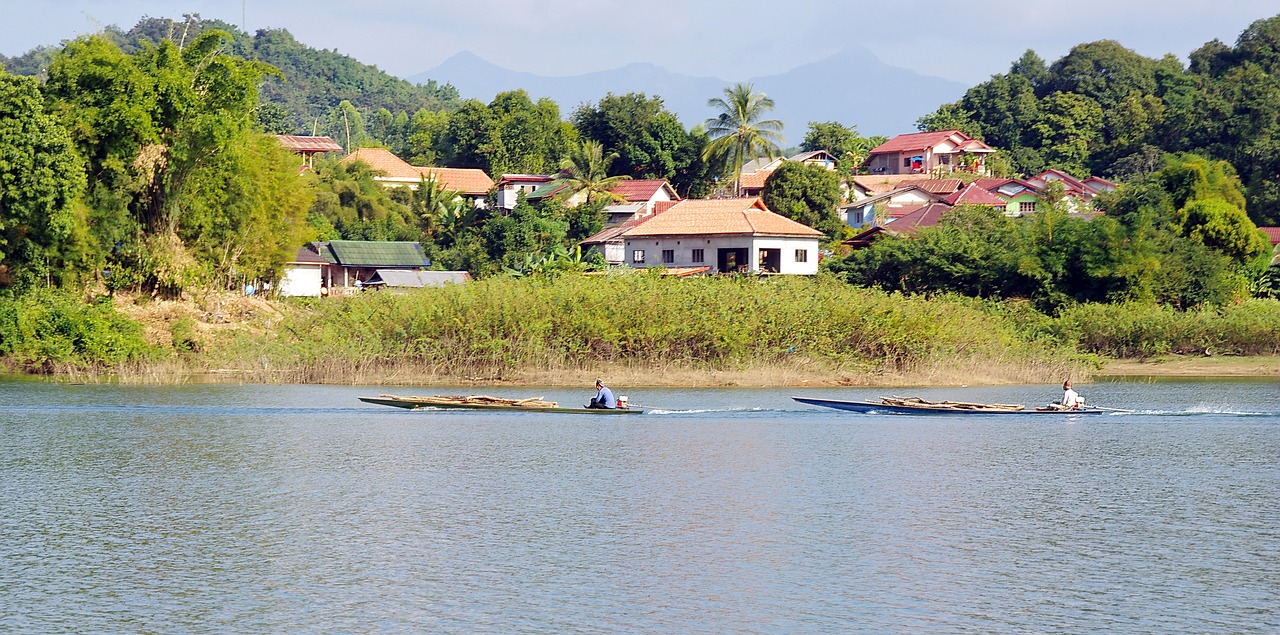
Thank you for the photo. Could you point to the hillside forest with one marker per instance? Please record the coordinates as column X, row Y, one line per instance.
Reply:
column 144, row 160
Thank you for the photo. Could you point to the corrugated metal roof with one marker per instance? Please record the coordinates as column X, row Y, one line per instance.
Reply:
column 368, row 253
column 308, row 145
column 417, row 279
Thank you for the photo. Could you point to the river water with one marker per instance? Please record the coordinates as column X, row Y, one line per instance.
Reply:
column 298, row 509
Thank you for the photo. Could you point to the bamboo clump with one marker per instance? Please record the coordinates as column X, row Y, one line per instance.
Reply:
column 917, row 402
column 475, row 400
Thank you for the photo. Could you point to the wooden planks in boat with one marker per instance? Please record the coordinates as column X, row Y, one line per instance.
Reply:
column 475, row 400
column 917, row 402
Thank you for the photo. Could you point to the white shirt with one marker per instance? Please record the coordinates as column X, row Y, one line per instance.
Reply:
column 1071, row 398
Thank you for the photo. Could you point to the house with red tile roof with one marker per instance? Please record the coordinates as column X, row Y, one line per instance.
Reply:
column 1273, row 235
column 735, row 235
column 972, row 194
column 908, row 225
column 929, row 153
column 884, row 207
column 393, row 171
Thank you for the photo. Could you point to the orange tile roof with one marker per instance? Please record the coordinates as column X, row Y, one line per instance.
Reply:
column 469, row 181
column 755, row 180
column 719, row 217
column 383, row 161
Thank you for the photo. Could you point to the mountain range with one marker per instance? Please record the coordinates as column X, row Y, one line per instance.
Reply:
column 853, row 87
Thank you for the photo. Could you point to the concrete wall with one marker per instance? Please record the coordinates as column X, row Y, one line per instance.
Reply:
column 710, row 245
column 301, row 280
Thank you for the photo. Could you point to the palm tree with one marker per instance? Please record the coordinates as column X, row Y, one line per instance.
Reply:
column 586, row 169
column 432, row 201
column 739, row 132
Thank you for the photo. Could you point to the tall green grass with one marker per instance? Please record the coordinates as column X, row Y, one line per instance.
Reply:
column 710, row 322
column 1134, row 330
column 489, row 327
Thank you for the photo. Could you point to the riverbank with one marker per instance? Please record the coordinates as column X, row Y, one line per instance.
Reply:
column 1181, row 366
column 636, row 330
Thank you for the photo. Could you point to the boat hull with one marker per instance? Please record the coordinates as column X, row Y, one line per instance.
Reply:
column 872, row 407
column 414, row 405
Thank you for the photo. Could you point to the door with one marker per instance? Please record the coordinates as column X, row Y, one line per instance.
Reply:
column 732, row 260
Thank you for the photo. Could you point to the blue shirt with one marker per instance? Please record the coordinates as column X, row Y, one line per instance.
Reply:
column 605, row 398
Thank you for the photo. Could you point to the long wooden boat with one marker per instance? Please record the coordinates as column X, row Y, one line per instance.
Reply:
column 482, row 402
column 913, row 406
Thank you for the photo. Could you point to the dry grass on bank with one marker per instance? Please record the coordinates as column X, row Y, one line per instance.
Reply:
column 1187, row 366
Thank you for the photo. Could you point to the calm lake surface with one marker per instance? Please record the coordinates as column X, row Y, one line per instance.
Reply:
column 298, row 509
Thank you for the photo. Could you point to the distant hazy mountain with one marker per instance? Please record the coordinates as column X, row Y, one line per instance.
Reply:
column 852, row 87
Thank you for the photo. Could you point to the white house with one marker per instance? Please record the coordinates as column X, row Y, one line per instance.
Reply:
column 304, row 275
column 511, row 186
column 730, row 235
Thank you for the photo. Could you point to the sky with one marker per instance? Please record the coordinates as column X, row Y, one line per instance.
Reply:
column 962, row 41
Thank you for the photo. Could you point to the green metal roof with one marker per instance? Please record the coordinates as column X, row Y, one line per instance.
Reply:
column 545, row 190
column 370, row 253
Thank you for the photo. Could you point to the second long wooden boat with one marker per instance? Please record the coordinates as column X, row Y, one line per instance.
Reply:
column 915, row 406
column 484, row 402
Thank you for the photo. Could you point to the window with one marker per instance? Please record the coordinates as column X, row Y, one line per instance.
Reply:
column 668, row 256
column 802, row 255
column 697, row 256
column 906, row 162
column 637, row 256
column 1027, row 207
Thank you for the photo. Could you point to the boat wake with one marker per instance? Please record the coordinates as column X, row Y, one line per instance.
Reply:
column 698, row 411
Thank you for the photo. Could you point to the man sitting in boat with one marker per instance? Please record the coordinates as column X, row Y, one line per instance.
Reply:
column 604, row 397
column 1071, row 400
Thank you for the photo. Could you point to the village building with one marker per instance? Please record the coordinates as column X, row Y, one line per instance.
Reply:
column 511, row 186
column 308, row 148
column 728, row 235
column 471, row 183
column 755, row 172
column 929, row 153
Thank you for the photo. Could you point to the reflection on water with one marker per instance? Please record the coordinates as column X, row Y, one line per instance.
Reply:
column 298, row 509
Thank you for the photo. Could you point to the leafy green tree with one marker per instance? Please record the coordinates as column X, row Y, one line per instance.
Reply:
column 1030, row 67
column 1068, row 130
column 807, row 194
column 586, row 169
column 832, row 136
column 41, row 180
column 273, row 119
column 527, row 233
column 512, row 134
column 1104, row 71
column 345, row 125
column 949, row 117
column 739, row 132
column 350, row 202
column 425, row 142
column 649, row 140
